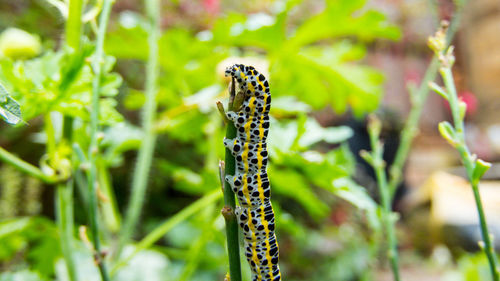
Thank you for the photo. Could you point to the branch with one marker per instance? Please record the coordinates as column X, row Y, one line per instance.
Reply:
column 97, row 64
column 144, row 159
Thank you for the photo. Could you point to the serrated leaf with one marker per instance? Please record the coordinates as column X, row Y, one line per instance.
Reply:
column 9, row 108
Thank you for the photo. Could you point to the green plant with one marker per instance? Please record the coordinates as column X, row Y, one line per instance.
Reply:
column 455, row 135
column 56, row 92
column 387, row 184
column 146, row 150
column 228, row 167
column 388, row 218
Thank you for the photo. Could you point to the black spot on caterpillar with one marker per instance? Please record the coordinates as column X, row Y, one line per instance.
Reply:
column 250, row 183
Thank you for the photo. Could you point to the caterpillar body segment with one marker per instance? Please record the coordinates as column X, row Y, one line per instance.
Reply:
column 252, row 156
column 251, row 191
column 250, row 182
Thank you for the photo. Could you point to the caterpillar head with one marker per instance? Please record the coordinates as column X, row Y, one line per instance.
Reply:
column 237, row 71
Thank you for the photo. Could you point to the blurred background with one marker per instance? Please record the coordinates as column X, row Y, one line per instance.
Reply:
column 329, row 63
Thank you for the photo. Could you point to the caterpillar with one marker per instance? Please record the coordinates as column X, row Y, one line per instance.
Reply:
column 250, row 182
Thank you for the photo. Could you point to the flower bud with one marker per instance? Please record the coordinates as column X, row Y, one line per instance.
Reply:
column 19, row 44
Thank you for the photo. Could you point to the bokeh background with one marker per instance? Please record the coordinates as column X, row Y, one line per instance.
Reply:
column 329, row 63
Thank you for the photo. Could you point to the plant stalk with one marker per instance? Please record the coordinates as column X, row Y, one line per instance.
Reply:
column 25, row 167
column 64, row 209
column 145, row 156
column 65, row 203
column 97, row 63
column 410, row 128
column 388, row 219
column 233, row 246
column 74, row 24
column 469, row 162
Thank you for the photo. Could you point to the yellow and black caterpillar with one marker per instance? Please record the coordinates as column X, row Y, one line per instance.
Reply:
column 250, row 182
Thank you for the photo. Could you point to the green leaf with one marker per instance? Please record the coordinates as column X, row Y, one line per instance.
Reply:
column 260, row 30
column 314, row 133
column 355, row 194
column 118, row 139
column 343, row 18
column 146, row 265
column 129, row 39
column 9, row 108
column 59, row 81
column 32, row 239
column 11, row 226
column 287, row 105
column 283, row 181
column 23, row 275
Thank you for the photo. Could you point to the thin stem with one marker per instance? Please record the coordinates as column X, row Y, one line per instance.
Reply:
column 74, row 24
column 65, row 205
column 169, row 224
column 488, row 247
column 110, row 211
column 469, row 162
column 93, row 148
column 51, row 145
column 418, row 98
column 64, row 199
column 145, row 156
column 64, row 216
column 233, row 246
column 388, row 221
column 25, row 167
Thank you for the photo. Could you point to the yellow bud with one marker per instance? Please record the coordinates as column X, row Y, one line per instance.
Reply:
column 462, row 107
column 447, row 132
column 19, row 44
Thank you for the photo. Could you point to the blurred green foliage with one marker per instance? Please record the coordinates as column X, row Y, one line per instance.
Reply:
column 314, row 62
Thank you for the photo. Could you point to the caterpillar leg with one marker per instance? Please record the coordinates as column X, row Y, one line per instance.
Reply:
column 235, row 182
column 234, row 145
column 239, row 119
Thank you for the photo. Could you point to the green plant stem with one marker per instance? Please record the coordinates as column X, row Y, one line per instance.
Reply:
column 65, row 205
column 169, row 224
column 418, row 99
column 385, row 196
column 233, row 246
column 51, row 145
column 74, row 24
column 25, row 167
column 97, row 63
column 64, row 198
column 64, row 209
column 145, row 156
column 469, row 162
column 110, row 212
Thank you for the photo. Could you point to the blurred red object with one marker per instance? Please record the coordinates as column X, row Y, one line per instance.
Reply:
column 470, row 100
column 339, row 216
column 211, row 6
column 412, row 76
